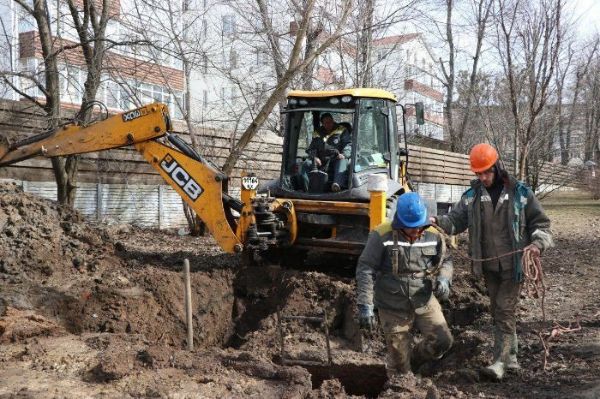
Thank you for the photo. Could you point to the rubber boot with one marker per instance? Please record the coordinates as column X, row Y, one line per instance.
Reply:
column 418, row 357
column 496, row 370
column 513, row 363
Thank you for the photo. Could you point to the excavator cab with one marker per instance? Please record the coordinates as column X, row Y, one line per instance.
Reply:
column 364, row 136
column 361, row 142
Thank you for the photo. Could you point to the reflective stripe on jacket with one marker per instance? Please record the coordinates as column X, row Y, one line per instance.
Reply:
column 409, row 288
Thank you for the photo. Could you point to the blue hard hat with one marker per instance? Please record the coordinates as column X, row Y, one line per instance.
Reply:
column 411, row 212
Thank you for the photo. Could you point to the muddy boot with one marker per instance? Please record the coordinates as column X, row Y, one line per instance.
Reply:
column 513, row 363
column 497, row 369
column 418, row 358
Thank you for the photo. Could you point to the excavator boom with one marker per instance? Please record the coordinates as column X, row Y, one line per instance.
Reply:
column 136, row 126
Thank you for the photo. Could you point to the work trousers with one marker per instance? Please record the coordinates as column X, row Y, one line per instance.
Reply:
column 429, row 320
column 504, row 298
column 336, row 168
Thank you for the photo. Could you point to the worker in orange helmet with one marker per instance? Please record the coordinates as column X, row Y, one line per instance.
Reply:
column 502, row 216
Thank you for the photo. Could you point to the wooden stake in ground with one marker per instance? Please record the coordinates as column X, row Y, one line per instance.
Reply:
column 188, row 305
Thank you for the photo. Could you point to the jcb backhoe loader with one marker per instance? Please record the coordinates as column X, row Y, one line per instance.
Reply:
column 286, row 217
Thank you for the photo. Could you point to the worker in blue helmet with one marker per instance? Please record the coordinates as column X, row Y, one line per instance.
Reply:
column 401, row 268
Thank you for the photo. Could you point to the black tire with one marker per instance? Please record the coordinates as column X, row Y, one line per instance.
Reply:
column 390, row 206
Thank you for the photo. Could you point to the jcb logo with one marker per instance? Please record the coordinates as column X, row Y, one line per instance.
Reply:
column 181, row 177
column 136, row 113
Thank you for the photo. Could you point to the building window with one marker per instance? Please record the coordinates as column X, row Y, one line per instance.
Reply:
column 233, row 59
column 112, row 94
column 29, row 66
column 71, row 81
column 204, row 65
column 26, row 21
column 228, row 24
column 233, row 94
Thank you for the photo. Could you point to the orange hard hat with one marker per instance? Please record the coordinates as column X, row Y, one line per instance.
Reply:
column 483, row 156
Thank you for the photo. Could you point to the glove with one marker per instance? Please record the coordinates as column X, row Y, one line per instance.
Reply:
column 442, row 288
column 535, row 251
column 366, row 318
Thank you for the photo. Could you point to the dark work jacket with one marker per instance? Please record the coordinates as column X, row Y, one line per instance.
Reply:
column 524, row 217
column 327, row 145
column 376, row 281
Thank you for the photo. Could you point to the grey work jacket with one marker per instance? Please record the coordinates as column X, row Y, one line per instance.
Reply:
column 410, row 288
column 525, row 217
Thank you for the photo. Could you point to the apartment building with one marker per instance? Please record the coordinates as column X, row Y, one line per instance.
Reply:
column 402, row 64
column 133, row 74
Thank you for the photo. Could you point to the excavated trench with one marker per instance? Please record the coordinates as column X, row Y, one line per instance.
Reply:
column 266, row 295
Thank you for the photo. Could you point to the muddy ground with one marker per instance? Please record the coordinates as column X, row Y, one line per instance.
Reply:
column 96, row 311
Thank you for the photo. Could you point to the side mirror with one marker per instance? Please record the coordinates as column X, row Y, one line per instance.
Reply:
column 420, row 113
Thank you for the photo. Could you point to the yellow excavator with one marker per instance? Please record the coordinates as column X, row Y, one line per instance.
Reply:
column 273, row 220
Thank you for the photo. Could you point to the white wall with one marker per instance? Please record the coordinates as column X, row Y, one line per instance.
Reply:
column 8, row 44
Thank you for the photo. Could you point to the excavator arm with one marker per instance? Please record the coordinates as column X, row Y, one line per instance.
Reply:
column 136, row 126
column 196, row 180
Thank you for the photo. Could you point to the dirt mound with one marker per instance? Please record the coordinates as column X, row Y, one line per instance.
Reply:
column 84, row 276
column 17, row 325
column 40, row 239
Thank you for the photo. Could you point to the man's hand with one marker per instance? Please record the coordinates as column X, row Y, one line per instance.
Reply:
column 442, row 288
column 432, row 220
column 340, row 156
column 366, row 318
column 318, row 162
column 535, row 251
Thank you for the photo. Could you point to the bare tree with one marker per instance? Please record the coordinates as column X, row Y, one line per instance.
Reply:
column 294, row 67
column 48, row 85
column 591, row 98
column 479, row 12
column 528, row 40
column 88, row 19
column 570, row 75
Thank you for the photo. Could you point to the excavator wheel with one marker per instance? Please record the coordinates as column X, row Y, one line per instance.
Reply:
column 390, row 206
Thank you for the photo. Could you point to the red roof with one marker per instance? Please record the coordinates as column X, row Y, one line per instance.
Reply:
column 398, row 39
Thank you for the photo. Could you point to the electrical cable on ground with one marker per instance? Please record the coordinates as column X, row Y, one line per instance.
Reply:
column 534, row 288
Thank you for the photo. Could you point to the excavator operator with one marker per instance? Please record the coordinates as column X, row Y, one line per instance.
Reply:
column 328, row 151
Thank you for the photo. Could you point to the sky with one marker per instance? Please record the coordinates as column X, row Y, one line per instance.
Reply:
column 588, row 14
